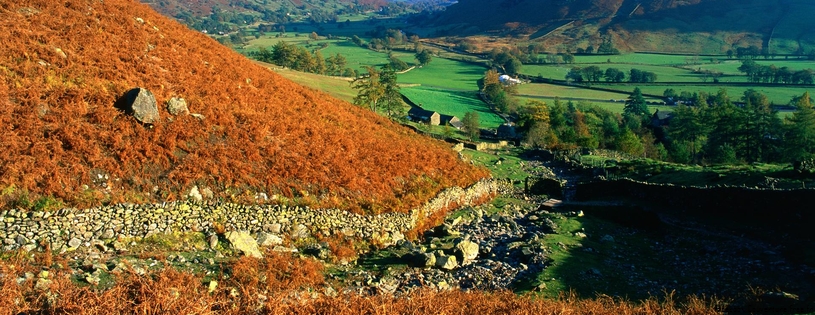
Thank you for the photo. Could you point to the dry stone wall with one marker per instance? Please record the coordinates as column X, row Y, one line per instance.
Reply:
column 70, row 228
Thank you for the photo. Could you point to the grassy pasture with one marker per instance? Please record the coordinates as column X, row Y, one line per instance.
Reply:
column 609, row 106
column 269, row 39
column 574, row 92
column 445, row 74
column 456, row 103
column 664, row 73
column 776, row 95
column 356, row 57
column 731, row 67
column 634, row 59
column 335, row 86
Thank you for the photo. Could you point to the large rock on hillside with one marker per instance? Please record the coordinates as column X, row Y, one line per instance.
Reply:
column 245, row 243
column 466, row 251
column 446, row 262
column 177, row 106
column 140, row 103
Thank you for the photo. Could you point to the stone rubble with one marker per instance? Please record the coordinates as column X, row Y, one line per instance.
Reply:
column 70, row 228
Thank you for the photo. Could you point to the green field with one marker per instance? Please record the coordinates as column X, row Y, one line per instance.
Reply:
column 269, row 39
column 731, row 67
column 334, row 86
column 456, row 103
column 445, row 74
column 568, row 92
column 664, row 73
column 776, row 95
column 357, row 57
column 548, row 92
column 634, row 59
column 609, row 106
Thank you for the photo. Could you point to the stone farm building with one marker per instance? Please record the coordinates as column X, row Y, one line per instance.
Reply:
column 433, row 118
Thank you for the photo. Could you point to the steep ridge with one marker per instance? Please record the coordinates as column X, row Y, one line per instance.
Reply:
column 65, row 63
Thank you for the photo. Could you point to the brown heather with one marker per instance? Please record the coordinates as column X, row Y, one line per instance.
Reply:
column 284, row 284
column 63, row 64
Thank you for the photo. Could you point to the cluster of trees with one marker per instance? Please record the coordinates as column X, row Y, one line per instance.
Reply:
column 506, row 61
column 510, row 59
column 300, row 59
column 383, row 38
column 472, row 126
column 568, row 125
column 714, row 130
column 595, row 74
column 718, row 131
column 757, row 73
column 377, row 89
column 498, row 93
column 751, row 52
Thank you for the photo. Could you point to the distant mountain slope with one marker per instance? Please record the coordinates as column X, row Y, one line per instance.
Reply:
column 206, row 7
column 701, row 26
column 65, row 63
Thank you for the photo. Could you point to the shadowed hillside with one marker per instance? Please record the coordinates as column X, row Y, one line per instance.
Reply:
column 692, row 26
column 201, row 8
column 65, row 63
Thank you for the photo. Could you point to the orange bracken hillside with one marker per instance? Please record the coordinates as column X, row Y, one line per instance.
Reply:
column 64, row 63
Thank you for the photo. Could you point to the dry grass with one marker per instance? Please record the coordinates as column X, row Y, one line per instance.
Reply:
column 65, row 63
column 283, row 284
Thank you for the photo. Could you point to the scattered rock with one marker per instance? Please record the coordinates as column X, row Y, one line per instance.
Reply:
column 243, row 242
column 283, row 249
column 466, row 251
column 60, row 53
column 74, row 243
column 195, row 194
column 447, row 230
column 213, row 241
column 299, row 231
column 177, row 106
column 607, row 238
column 207, row 193
column 119, row 246
column 141, row 103
column 446, row 262
column 43, row 283
column 266, row 239
column 443, row 285
column 93, row 279
column 275, row 228
column 420, row 260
